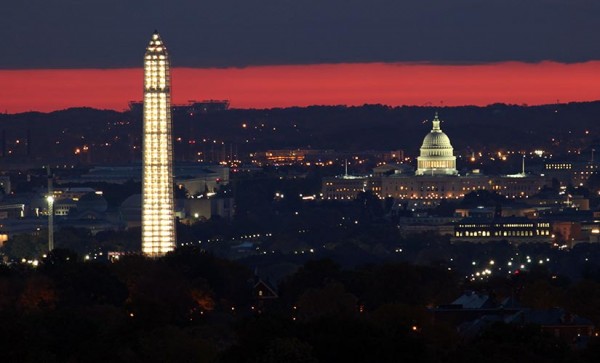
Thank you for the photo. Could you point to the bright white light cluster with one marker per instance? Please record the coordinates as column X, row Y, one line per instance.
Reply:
column 158, row 218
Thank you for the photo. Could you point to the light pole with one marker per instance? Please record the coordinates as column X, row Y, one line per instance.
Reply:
column 50, row 200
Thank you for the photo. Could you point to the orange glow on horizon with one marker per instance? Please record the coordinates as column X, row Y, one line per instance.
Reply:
column 302, row 85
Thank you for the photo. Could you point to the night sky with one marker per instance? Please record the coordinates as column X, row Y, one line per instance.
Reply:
column 92, row 34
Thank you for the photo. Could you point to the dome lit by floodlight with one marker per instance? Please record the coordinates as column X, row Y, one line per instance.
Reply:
column 437, row 154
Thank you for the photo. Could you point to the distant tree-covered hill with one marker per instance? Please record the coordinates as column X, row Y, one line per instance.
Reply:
column 105, row 136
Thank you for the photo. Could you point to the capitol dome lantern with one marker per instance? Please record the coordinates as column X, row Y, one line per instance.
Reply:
column 437, row 154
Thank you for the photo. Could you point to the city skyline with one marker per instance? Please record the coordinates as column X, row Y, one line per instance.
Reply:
column 300, row 181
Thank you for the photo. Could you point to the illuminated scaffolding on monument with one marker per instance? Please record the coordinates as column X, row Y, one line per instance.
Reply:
column 158, row 218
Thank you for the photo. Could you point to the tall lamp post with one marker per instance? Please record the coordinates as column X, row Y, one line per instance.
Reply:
column 50, row 200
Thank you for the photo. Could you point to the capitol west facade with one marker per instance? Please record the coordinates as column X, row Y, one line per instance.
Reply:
column 436, row 177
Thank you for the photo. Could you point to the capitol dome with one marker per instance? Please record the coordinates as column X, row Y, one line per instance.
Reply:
column 437, row 154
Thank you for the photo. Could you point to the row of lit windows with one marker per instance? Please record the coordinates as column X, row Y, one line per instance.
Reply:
column 512, row 192
column 517, row 225
column 558, row 166
column 473, row 234
column 428, row 196
column 508, row 225
column 501, row 233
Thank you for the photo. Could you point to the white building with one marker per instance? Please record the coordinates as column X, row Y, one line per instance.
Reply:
column 436, row 178
column 437, row 154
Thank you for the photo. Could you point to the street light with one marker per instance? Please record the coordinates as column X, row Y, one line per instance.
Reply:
column 50, row 200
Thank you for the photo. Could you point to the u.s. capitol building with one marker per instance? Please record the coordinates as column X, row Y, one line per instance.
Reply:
column 435, row 178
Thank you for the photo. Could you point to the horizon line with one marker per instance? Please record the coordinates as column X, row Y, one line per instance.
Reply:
column 316, row 64
column 351, row 84
column 525, row 105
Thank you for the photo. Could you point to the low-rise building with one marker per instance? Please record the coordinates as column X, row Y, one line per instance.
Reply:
column 571, row 172
column 517, row 229
column 474, row 312
column 346, row 187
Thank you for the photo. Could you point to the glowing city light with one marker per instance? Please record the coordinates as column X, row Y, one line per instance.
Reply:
column 158, row 219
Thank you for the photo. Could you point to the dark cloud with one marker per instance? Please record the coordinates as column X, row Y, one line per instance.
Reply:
column 223, row 33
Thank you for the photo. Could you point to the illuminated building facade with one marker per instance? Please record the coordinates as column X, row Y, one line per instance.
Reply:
column 456, row 187
column 158, row 216
column 576, row 173
column 436, row 178
column 437, row 154
column 510, row 228
column 284, row 157
column 346, row 187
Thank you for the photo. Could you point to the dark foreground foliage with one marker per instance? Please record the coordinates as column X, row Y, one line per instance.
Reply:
column 191, row 306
